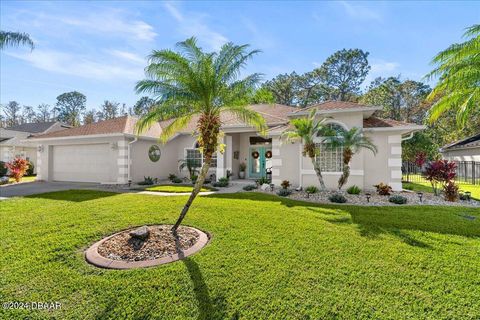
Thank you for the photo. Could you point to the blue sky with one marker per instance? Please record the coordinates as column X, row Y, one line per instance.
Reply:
column 99, row 48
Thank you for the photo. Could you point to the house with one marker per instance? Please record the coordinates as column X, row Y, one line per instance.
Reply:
column 467, row 149
column 110, row 152
column 14, row 140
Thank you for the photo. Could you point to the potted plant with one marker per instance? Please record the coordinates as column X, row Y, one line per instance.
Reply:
column 242, row 169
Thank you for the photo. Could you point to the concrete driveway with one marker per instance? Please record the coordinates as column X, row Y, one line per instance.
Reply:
column 26, row 189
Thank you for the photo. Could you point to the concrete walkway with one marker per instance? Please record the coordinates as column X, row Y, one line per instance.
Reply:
column 26, row 189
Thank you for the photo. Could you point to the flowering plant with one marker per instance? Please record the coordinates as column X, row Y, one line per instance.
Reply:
column 18, row 167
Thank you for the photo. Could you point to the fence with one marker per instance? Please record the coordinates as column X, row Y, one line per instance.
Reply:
column 466, row 171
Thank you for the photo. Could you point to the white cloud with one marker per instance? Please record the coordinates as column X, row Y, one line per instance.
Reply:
column 192, row 24
column 381, row 66
column 80, row 66
column 360, row 12
column 128, row 56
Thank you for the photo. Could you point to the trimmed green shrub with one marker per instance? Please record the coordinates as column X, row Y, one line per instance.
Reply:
column 250, row 187
column 30, row 169
column 171, row 176
column 337, row 198
column 284, row 192
column 177, row 180
column 354, row 190
column 398, row 199
column 262, row 180
column 3, row 169
column 222, row 182
column 311, row 189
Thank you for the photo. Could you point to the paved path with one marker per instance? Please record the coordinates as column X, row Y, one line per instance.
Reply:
column 26, row 189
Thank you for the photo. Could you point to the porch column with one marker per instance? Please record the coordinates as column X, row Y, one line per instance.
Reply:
column 276, row 161
column 224, row 160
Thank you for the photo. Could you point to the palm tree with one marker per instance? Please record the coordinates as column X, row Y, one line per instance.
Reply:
column 458, row 70
column 14, row 39
column 190, row 82
column 351, row 141
column 306, row 129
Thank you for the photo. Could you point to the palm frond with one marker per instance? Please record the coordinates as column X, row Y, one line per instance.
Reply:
column 14, row 39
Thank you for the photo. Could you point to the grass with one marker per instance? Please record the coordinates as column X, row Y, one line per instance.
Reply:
column 422, row 186
column 269, row 257
column 24, row 179
column 175, row 188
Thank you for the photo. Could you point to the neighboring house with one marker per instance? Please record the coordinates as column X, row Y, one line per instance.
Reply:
column 110, row 152
column 14, row 141
column 463, row 150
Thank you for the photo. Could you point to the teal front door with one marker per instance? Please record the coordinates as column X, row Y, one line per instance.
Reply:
column 258, row 163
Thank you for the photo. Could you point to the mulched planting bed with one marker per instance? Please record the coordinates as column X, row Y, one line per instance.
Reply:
column 160, row 243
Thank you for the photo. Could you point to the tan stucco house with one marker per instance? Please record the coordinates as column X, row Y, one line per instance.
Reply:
column 467, row 149
column 110, row 152
column 15, row 142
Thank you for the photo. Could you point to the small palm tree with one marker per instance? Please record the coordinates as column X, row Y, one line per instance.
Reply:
column 458, row 70
column 190, row 82
column 351, row 141
column 14, row 39
column 306, row 129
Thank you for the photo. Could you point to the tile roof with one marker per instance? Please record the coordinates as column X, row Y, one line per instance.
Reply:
column 336, row 105
column 374, row 122
column 32, row 127
column 124, row 124
column 469, row 142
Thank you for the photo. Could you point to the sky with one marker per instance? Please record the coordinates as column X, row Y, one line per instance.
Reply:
column 100, row 48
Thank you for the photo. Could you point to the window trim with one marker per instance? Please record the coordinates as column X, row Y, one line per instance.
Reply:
column 214, row 157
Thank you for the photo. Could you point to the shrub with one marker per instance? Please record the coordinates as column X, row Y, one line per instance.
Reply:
column 439, row 172
column 30, row 169
column 262, row 180
column 337, row 198
column 383, row 189
column 398, row 199
column 463, row 196
column 18, row 167
column 311, row 189
column 354, row 190
column 177, row 180
column 284, row 192
column 285, row 184
column 250, row 187
column 222, row 182
column 3, row 169
column 171, row 176
column 242, row 166
column 450, row 191
column 147, row 181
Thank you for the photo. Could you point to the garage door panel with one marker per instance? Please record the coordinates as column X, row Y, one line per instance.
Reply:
column 84, row 163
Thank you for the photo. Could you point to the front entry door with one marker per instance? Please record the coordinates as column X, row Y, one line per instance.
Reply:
column 259, row 162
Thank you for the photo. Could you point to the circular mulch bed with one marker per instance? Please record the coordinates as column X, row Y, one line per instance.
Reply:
column 121, row 251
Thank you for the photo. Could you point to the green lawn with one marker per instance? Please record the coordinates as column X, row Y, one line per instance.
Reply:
column 269, row 257
column 174, row 188
column 426, row 187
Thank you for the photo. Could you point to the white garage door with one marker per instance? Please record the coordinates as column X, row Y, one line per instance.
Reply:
column 84, row 163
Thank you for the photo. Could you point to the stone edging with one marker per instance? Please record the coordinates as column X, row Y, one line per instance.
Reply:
column 93, row 257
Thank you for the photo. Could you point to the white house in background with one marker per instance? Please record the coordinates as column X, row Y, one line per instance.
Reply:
column 110, row 152
column 463, row 150
column 14, row 140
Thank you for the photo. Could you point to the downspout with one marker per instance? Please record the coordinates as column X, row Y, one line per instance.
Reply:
column 410, row 136
column 129, row 174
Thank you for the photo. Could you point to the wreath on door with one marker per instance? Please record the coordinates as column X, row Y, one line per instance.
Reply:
column 255, row 154
column 268, row 154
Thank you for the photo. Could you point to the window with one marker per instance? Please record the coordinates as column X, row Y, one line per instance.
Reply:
column 197, row 157
column 330, row 159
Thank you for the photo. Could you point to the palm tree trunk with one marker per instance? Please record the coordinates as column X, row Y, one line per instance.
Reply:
column 318, row 172
column 196, row 190
column 344, row 177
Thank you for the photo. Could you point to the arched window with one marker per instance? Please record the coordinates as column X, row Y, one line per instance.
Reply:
column 330, row 159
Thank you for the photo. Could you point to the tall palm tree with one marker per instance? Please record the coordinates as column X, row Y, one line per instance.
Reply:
column 190, row 82
column 351, row 141
column 14, row 39
column 306, row 129
column 458, row 70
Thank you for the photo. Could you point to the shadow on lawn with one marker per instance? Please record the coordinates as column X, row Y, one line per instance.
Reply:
column 74, row 195
column 373, row 221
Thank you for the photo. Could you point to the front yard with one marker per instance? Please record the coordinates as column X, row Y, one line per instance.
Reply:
column 269, row 257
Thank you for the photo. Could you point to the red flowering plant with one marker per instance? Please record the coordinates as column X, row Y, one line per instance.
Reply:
column 420, row 159
column 450, row 191
column 440, row 172
column 18, row 167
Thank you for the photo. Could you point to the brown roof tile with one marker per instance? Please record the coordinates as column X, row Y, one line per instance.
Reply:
column 374, row 122
column 336, row 105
